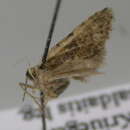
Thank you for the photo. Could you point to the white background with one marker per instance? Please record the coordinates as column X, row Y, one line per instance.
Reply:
column 24, row 26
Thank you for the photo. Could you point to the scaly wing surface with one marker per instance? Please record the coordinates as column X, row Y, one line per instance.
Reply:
column 82, row 52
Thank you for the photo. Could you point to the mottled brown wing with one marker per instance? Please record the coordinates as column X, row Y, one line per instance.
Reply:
column 83, row 49
column 94, row 28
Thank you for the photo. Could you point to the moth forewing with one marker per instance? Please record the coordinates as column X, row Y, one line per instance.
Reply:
column 77, row 56
column 95, row 22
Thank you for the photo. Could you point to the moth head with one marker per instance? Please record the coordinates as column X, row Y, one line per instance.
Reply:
column 31, row 73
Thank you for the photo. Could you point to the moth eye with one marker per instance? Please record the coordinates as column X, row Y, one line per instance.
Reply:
column 29, row 75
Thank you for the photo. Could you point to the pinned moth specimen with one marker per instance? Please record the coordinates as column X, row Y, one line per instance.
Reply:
column 77, row 56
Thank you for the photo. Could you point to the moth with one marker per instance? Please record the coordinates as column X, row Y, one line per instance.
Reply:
column 77, row 56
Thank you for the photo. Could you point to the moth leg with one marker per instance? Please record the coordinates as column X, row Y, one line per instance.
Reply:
column 33, row 97
column 23, row 86
column 36, row 99
column 27, row 86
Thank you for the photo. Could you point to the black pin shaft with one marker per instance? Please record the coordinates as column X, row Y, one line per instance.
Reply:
column 52, row 26
column 56, row 10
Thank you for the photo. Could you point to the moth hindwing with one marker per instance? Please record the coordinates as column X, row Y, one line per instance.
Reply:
column 77, row 56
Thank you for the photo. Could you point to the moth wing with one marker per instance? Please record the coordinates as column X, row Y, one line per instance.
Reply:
column 95, row 28
column 82, row 52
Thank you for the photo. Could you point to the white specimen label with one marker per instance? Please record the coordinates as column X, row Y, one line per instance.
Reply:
column 100, row 110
